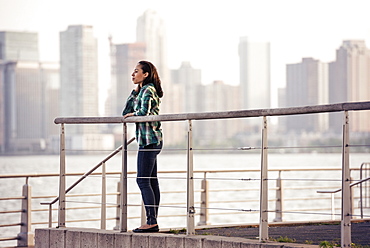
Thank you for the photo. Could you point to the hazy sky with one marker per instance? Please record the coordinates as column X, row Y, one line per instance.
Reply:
column 204, row 32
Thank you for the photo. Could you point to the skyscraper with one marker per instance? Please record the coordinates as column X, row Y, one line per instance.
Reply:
column 307, row 84
column 2, row 108
column 218, row 97
column 189, row 80
column 349, row 81
column 79, row 75
column 28, row 95
column 254, row 73
column 30, row 100
column 124, row 58
column 151, row 31
column 19, row 46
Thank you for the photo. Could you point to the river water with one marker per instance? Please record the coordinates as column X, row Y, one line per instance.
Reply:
column 224, row 208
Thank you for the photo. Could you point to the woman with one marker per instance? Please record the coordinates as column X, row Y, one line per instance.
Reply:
column 144, row 100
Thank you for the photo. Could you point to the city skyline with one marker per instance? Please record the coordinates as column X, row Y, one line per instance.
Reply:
column 206, row 35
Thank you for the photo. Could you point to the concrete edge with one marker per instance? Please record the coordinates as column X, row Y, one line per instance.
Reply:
column 80, row 237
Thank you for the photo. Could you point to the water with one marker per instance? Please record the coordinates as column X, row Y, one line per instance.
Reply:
column 226, row 212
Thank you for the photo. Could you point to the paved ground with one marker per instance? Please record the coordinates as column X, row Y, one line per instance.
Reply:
column 309, row 233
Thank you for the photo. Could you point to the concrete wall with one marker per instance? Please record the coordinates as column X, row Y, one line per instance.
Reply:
column 95, row 238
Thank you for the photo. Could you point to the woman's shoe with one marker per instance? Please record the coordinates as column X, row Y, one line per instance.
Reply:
column 147, row 230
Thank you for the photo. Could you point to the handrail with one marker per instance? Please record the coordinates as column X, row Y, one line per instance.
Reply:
column 90, row 171
column 361, row 181
column 163, row 172
column 338, row 107
column 338, row 190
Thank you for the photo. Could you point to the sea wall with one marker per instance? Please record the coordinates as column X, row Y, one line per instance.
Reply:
column 96, row 238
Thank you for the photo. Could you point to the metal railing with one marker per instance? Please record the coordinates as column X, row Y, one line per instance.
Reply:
column 263, row 179
column 100, row 164
column 207, row 194
column 263, row 223
column 364, row 193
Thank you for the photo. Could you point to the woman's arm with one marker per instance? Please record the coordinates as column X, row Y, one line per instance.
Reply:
column 129, row 107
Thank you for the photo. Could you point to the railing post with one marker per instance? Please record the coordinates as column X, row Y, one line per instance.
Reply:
column 62, row 180
column 118, row 210
column 279, row 200
column 190, row 184
column 123, row 203
column 103, row 199
column 361, row 200
column 50, row 215
column 333, row 206
column 204, row 202
column 26, row 237
column 263, row 225
column 346, row 190
column 352, row 201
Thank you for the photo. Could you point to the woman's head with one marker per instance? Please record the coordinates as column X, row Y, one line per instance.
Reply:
column 152, row 76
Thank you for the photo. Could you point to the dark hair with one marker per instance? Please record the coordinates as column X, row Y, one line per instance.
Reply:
column 153, row 76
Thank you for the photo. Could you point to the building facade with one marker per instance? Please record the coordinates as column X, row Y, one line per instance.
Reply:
column 79, row 88
column 349, row 81
column 307, row 84
column 79, row 75
column 151, row 31
column 19, row 46
column 124, row 58
column 255, row 85
column 30, row 97
column 216, row 97
column 189, row 80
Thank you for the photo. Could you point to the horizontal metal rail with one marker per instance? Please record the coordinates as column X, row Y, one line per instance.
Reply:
column 12, row 198
column 338, row 107
column 9, row 225
column 159, row 172
column 8, row 238
column 11, row 211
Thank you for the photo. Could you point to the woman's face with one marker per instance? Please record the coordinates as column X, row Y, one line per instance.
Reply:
column 138, row 75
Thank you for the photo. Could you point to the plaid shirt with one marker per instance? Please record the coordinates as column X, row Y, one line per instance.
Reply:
column 145, row 102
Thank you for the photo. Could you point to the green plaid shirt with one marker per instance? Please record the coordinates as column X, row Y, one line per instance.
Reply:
column 145, row 102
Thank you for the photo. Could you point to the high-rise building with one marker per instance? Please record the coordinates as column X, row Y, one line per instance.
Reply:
column 79, row 75
column 124, row 58
column 2, row 108
column 189, row 79
column 349, row 81
column 79, row 87
column 30, row 97
column 19, row 46
column 218, row 97
column 307, row 84
column 151, row 31
column 254, row 64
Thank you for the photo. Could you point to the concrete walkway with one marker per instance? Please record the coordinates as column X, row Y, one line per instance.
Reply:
column 313, row 233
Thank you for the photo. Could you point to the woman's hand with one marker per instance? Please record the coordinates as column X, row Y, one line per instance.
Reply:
column 128, row 115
